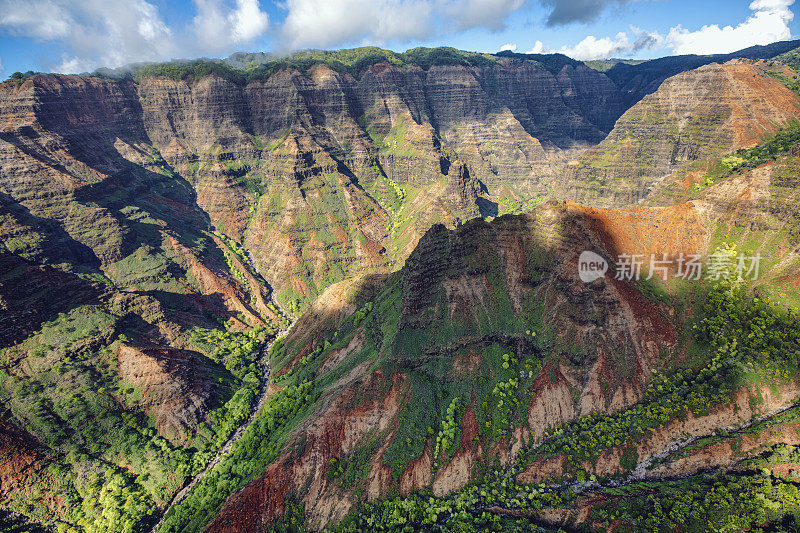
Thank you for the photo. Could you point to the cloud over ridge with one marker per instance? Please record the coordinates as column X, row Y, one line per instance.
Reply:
column 114, row 33
column 768, row 23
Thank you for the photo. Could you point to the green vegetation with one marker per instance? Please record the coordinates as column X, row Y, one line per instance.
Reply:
column 464, row 510
column 233, row 249
column 249, row 67
column 19, row 77
column 791, row 58
column 293, row 303
column 327, row 221
column 395, row 143
column 63, row 386
column 712, row 502
column 191, row 71
column 392, row 200
column 751, row 341
column 791, row 82
column 747, row 339
column 88, row 427
column 258, row 447
column 359, row 315
column 449, row 436
column 238, row 352
column 350, row 471
column 604, row 65
column 666, row 398
column 769, row 150
column 148, row 267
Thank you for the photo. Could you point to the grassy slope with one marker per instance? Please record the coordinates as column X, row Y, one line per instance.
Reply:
column 104, row 464
column 385, row 341
column 707, row 379
column 746, row 342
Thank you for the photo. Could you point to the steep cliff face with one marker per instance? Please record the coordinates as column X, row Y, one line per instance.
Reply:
column 487, row 329
column 639, row 80
column 360, row 152
column 317, row 173
column 176, row 387
column 23, row 467
column 83, row 189
column 301, row 142
column 322, row 175
column 692, row 118
column 136, row 217
column 103, row 245
column 478, row 310
column 110, row 190
column 465, row 297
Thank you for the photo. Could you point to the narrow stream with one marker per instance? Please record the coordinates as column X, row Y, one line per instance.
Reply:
column 226, row 448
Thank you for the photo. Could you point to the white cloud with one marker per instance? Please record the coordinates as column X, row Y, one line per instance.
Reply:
column 2, row 68
column 218, row 29
column 538, row 48
column 41, row 19
column 324, row 23
column 74, row 64
column 321, row 23
column 768, row 23
column 593, row 48
column 248, row 21
column 113, row 33
column 511, row 47
column 620, row 46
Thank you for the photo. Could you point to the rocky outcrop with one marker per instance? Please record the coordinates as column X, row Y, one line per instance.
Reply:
column 640, row 79
column 109, row 191
column 324, row 174
column 461, row 193
column 176, row 389
column 82, row 189
column 26, row 302
column 23, row 468
column 304, row 169
column 692, row 118
column 472, row 282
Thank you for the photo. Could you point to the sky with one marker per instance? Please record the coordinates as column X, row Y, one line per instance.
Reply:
column 73, row 36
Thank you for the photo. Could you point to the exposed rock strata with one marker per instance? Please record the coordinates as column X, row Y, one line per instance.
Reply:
column 693, row 117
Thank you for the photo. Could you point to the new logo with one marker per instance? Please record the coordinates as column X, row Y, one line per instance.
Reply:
column 591, row 266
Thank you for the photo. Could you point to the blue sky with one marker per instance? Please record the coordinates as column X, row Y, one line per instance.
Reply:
column 81, row 35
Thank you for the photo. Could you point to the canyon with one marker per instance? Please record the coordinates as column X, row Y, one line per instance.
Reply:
column 418, row 217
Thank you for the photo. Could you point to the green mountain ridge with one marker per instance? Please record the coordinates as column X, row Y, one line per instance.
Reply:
column 446, row 368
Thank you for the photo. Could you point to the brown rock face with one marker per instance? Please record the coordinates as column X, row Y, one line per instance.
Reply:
column 606, row 337
column 83, row 190
column 25, row 302
column 323, row 175
column 335, row 431
column 23, row 466
column 175, row 388
column 461, row 193
column 96, row 227
column 110, row 190
column 305, row 170
column 692, row 117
